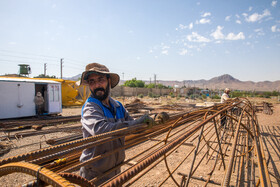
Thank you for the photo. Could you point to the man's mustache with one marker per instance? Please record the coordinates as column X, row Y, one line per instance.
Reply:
column 98, row 89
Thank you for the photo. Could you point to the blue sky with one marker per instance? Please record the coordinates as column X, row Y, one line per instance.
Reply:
column 174, row 39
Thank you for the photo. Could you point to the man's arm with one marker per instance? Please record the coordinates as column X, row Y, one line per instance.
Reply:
column 96, row 123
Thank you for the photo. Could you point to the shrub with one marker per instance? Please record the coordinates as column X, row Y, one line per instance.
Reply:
column 140, row 95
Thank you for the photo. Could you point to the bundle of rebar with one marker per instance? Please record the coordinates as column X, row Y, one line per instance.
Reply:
column 225, row 137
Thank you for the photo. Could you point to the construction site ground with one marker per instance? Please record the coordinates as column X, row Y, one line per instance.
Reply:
column 269, row 128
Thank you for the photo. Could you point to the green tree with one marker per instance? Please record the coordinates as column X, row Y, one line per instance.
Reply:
column 152, row 85
column 46, row 76
column 134, row 83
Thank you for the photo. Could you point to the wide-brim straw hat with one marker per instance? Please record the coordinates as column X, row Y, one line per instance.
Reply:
column 99, row 69
column 227, row 90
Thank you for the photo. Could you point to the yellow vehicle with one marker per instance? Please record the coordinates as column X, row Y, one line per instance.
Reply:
column 72, row 93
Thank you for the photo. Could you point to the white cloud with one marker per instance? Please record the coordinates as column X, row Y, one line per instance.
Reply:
column 138, row 58
column 165, row 47
column 227, row 18
column 191, row 25
column 183, row 52
column 206, row 14
column 273, row 3
column 204, row 21
column 194, row 37
column 189, row 46
column 165, row 52
column 12, row 43
column 183, row 26
column 151, row 51
column 217, row 34
column 232, row 36
column 248, row 43
column 275, row 29
column 236, row 15
column 245, row 15
column 238, row 22
column 259, row 31
column 257, row 17
column 250, row 9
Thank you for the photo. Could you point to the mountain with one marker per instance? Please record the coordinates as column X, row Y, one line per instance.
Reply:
column 226, row 81
column 74, row 78
column 220, row 82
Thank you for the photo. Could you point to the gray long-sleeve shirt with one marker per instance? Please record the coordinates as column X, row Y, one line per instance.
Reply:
column 96, row 120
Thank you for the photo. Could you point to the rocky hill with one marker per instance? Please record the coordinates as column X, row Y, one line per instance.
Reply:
column 227, row 81
column 220, row 82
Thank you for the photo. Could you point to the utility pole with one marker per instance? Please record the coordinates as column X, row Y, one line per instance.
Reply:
column 61, row 62
column 155, row 77
column 194, row 90
column 123, row 75
column 45, row 69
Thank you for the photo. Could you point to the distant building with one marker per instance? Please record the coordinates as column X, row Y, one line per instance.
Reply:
column 17, row 96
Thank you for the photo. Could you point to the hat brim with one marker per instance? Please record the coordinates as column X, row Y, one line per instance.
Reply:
column 115, row 78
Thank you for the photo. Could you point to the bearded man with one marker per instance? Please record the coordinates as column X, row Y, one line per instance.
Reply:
column 101, row 114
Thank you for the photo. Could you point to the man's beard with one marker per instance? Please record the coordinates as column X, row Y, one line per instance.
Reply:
column 100, row 97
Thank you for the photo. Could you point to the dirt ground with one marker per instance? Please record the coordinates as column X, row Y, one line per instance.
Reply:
column 269, row 128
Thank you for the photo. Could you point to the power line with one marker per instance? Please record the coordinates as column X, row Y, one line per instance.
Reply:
column 40, row 55
column 15, row 56
column 38, row 59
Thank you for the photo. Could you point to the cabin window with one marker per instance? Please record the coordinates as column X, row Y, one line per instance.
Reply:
column 51, row 94
column 54, row 93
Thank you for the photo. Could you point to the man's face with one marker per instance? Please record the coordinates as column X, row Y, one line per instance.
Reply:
column 99, row 86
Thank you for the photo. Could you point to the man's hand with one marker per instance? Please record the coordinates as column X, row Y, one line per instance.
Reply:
column 150, row 121
column 146, row 119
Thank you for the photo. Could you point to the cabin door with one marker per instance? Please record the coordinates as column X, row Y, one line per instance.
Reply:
column 54, row 98
column 42, row 88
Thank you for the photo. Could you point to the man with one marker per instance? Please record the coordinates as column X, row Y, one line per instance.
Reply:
column 39, row 101
column 101, row 114
column 224, row 97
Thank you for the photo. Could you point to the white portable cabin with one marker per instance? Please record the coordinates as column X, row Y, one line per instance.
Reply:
column 17, row 97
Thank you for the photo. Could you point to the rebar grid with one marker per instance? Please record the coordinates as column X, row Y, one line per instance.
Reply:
column 198, row 134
